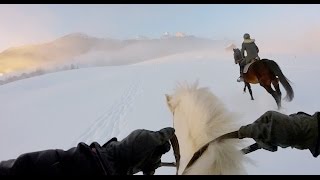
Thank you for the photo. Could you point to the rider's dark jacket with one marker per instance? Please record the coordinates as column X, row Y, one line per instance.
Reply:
column 251, row 48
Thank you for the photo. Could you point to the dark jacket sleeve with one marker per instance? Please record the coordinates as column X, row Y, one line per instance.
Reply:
column 5, row 167
column 296, row 130
column 105, row 158
column 34, row 163
column 75, row 161
column 81, row 160
column 243, row 48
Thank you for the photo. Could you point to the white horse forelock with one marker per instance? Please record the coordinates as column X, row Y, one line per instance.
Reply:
column 199, row 117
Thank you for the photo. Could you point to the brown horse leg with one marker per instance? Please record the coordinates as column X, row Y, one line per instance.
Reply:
column 250, row 91
column 273, row 93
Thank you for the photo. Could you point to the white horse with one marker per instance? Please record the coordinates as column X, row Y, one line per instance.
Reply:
column 199, row 117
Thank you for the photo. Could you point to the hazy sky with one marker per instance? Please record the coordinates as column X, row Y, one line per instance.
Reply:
column 25, row 24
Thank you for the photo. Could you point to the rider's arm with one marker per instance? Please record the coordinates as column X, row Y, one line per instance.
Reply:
column 274, row 129
column 243, row 48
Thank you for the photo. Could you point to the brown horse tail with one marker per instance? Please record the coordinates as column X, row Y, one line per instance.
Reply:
column 284, row 81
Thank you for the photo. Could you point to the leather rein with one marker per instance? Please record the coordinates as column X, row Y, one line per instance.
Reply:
column 176, row 149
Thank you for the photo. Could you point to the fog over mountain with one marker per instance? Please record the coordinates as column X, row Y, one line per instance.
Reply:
column 84, row 50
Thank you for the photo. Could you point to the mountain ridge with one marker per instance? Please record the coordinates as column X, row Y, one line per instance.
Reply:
column 65, row 49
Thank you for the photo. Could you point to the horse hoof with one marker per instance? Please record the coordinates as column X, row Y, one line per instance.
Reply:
column 252, row 99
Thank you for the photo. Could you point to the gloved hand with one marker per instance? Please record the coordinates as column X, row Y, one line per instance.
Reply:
column 261, row 131
column 142, row 149
column 274, row 129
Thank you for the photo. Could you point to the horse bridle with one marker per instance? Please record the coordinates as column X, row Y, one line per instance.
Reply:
column 176, row 149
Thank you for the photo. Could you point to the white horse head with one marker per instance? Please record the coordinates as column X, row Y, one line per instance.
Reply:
column 199, row 117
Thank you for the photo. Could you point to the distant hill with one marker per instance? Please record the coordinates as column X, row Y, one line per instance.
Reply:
column 66, row 49
column 59, row 50
column 230, row 47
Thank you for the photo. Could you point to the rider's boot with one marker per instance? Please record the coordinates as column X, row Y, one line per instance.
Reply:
column 240, row 79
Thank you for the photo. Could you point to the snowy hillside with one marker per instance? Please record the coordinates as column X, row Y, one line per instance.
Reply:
column 58, row 110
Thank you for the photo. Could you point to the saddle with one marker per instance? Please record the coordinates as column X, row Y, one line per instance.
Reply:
column 246, row 67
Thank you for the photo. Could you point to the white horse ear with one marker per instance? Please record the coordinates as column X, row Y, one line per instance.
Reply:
column 168, row 98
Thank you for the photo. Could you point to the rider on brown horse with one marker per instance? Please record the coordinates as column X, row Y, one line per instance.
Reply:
column 252, row 50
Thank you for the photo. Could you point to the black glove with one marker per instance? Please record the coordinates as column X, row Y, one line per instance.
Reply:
column 275, row 129
column 142, row 149
column 260, row 131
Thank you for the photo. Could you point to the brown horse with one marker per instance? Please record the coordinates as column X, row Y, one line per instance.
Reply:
column 265, row 72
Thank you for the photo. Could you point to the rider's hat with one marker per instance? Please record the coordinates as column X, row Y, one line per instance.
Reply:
column 246, row 36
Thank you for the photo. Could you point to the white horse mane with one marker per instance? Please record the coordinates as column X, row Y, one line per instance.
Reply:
column 199, row 117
